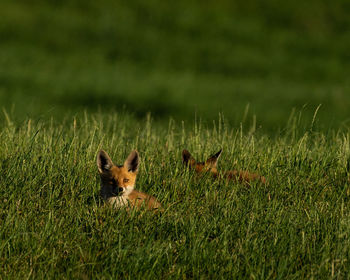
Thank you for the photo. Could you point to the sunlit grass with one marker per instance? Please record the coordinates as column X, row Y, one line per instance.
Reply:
column 54, row 224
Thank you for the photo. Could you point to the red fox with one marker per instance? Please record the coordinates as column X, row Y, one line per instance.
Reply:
column 210, row 166
column 117, row 183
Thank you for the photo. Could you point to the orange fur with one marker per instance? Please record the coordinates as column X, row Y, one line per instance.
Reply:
column 117, row 183
column 210, row 166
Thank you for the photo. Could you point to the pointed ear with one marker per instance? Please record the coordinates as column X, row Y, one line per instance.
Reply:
column 132, row 162
column 213, row 159
column 104, row 162
column 186, row 157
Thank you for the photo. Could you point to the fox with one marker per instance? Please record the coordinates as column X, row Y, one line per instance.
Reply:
column 118, row 181
column 210, row 166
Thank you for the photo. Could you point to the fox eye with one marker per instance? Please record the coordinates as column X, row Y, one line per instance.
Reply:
column 125, row 180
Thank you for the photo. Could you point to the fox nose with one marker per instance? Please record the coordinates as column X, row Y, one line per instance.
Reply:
column 120, row 189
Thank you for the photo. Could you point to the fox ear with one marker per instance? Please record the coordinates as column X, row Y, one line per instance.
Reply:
column 213, row 159
column 104, row 162
column 187, row 158
column 132, row 162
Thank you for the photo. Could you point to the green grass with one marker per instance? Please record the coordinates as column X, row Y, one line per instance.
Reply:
column 54, row 225
column 246, row 76
column 177, row 59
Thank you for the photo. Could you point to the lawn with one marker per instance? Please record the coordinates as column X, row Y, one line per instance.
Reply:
column 177, row 60
column 266, row 83
column 53, row 223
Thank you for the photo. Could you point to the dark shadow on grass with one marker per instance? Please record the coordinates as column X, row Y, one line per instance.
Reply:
column 156, row 103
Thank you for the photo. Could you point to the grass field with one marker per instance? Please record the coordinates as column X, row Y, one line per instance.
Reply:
column 177, row 60
column 267, row 83
column 54, row 225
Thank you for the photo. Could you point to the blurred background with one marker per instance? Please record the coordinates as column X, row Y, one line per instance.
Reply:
column 246, row 59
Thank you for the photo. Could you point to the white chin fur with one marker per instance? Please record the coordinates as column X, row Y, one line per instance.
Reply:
column 128, row 190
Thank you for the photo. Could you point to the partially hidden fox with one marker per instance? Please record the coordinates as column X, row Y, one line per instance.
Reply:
column 210, row 166
column 117, row 183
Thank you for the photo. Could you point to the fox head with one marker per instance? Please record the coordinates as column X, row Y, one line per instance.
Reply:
column 117, row 180
column 207, row 166
column 210, row 166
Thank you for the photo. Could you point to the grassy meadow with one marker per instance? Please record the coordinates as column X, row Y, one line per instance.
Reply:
column 54, row 225
column 177, row 59
column 267, row 83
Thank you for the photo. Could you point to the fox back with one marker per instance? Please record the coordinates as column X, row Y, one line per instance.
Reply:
column 117, row 183
column 210, row 166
